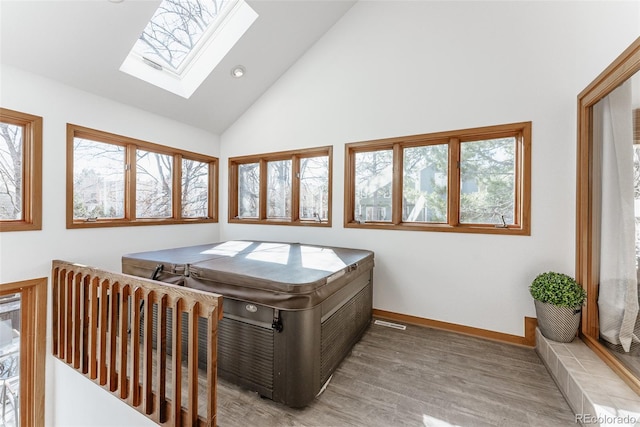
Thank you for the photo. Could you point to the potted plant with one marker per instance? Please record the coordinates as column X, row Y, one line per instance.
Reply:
column 558, row 299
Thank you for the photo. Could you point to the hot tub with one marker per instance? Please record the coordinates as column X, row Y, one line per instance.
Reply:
column 291, row 312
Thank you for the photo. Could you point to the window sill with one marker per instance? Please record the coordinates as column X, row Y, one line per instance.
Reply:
column 127, row 223
column 478, row 229
column 19, row 226
column 279, row 222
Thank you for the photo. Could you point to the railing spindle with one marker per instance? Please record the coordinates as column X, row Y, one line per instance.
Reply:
column 161, row 357
column 98, row 320
column 176, row 365
column 112, row 321
column 147, row 355
column 192, row 365
column 103, row 311
column 66, row 315
column 124, row 339
column 135, row 347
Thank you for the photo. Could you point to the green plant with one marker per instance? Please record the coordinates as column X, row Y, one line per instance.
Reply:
column 557, row 289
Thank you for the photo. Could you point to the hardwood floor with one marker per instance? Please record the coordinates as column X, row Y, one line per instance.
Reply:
column 417, row 377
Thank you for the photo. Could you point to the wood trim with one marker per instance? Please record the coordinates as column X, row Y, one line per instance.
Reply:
column 330, row 189
column 623, row 67
column 33, row 325
column 588, row 202
column 605, row 354
column 130, row 183
column 530, row 324
column 131, row 145
column 461, row 228
column 214, row 178
column 232, row 198
column 295, row 187
column 263, row 159
column 349, row 184
column 85, row 298
column 397, row 184
column 524, row 179
column 263, row 184
column 521, row 131
column 453, row 190
column 176, row 200
column 69, row 177
column 282, row 155
column 31, row 170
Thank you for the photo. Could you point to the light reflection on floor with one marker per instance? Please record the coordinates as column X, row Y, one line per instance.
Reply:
column 434, row 422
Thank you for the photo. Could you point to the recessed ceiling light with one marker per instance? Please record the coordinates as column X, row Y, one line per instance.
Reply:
column 238, row 71
column 116, row 1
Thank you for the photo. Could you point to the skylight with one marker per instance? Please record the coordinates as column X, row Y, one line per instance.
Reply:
column 185, row 40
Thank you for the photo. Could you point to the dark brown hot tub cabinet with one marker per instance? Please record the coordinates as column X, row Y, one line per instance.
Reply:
column 291, row 312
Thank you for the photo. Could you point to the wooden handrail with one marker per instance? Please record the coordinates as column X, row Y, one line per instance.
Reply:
column 103, row 327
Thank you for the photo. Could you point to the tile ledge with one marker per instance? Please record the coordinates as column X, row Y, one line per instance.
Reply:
column 613, row 404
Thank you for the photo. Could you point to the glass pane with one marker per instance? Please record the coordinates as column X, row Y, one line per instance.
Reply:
column 154, row 185
column 636, row 192
column 98, row 180
column 314, row 188
column 11, row 172
column 374, row 173
column 176, row 28
column 195, row 189
column 279, row 189
column 487, row 181
column 248, row 190
column 424, row 187
column 10, row 358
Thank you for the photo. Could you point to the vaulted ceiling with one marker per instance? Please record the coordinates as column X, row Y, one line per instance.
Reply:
column 83, row 43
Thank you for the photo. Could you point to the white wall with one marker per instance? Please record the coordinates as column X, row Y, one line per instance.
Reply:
column 392, row 68
column 70, row 399
column 387, row 69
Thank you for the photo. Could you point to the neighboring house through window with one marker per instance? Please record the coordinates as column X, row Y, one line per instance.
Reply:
column 116, row 181
column 472, row 180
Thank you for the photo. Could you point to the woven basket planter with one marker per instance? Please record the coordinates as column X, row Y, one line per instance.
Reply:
column 558, row 323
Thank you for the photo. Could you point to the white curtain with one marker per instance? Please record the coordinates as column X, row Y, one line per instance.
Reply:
column 618, row 293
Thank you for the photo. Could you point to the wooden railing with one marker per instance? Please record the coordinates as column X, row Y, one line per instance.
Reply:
column 113, row 328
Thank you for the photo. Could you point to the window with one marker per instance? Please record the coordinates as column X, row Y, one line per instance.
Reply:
column 472, row 180
column 118, row 181
column 20, row 171
column 292, row 187
column 185, row 40
column 23, row 324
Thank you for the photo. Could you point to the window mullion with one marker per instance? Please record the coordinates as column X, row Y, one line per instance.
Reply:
column 176, row 205
column 396, row 186
column 523, row 177
column 234, row 190
column 262, row 197
column 349, row 186
column 27, row 156
column 453, row 208
column 35, row 175
column 295, row 188
column 130, row 183
column 212, row 201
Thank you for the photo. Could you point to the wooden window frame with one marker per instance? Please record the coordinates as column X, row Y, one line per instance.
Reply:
column 31, row 171
column 587, row 204
column 131, row 145
column 33, row 326
column 522, row 224
column 295, row 156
